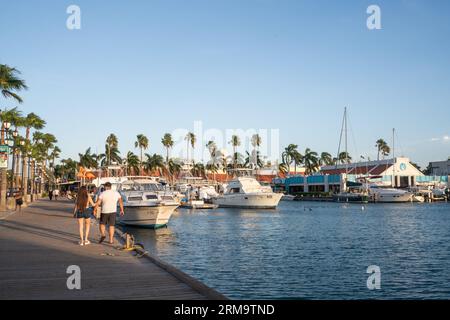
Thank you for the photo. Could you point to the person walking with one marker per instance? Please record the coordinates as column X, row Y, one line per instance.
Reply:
column 19, row 200
column 108, row 200
column 50, row 194
column 82, row 214
column 56, row 194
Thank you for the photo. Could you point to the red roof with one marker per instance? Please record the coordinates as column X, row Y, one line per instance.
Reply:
column 373, row 170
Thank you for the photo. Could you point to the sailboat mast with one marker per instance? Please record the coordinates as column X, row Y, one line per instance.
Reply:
column 346, row 141
column 394, row 182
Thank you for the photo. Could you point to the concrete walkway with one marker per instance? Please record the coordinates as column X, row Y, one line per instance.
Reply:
column 39, row 244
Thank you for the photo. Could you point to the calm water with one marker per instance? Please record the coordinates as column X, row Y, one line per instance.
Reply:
column 306, row 250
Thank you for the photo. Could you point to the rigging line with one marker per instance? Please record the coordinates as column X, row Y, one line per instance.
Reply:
column 340, row 141
column 354, row 143
column 399, row 144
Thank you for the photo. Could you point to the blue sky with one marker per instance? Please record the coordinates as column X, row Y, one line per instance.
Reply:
column 154, row 66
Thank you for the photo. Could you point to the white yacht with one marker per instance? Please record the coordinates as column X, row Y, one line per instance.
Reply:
column 247, row 192
column 391, row 195
column 146, row 203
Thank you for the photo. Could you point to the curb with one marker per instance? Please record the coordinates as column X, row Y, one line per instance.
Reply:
column 195, row 284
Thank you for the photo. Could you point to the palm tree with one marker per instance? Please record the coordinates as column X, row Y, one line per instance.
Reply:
column 20, row 151
column 174, row 168
column 311, row 161
column 68, row 169
column 217, row 159
column 298, row 159
column 153, row 163
column 235, row 142
column 382, row 148
column 326, row 159
column 288, row 156
column 283, row 168
column 344, row 157
column 253, row 160
column 46, row 141
column 141, row 143
column 10, row 83
column 112, row 154
column 132, row 162
column 198, row 170
column 88, row 159
column 56, row 151
column 14, row 117
column 167, row 142
column 49, row 141
column 112, row 143
column 256, row 143
column 32, row 121
column 191, row 140
column 212, row 148
column 39, row 155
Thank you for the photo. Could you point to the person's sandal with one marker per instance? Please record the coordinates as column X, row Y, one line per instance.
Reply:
column 81, row 243
column 87, row 242
column 102, row 239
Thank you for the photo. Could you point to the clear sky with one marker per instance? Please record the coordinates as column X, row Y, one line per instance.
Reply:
column 154, row 66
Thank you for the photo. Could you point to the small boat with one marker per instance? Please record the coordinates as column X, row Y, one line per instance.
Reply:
column 198, row 204
column 247, row 192
column 146, row 204
column 288, row 197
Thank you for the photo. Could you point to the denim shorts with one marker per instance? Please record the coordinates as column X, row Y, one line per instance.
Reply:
column 86, row 214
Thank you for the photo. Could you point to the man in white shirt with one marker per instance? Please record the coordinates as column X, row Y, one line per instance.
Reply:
column 108, row 200
column 56, row 194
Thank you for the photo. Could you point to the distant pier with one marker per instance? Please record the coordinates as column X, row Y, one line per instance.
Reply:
column 38, row 246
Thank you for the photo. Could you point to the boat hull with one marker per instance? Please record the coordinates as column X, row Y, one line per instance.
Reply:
column 249, row 201
column 147, row 216
column 391, row 198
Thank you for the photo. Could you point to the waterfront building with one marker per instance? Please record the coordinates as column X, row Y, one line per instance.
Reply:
column 440, row 168
column 397, row 172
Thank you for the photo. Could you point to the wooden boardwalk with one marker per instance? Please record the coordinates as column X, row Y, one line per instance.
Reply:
column 39, row 244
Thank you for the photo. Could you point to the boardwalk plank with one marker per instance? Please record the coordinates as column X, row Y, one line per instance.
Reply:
column 37, row 246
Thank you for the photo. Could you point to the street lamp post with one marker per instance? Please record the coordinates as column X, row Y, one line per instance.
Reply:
column 13, row 146
column 5, row 134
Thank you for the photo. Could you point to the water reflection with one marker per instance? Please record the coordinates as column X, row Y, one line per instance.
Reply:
column 311, row 250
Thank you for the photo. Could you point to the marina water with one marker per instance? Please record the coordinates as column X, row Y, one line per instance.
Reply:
column 309, row 250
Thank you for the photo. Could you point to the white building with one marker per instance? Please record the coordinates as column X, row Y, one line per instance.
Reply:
column 398, row 172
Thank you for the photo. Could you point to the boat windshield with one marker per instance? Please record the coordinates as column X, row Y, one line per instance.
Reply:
column 142, row 187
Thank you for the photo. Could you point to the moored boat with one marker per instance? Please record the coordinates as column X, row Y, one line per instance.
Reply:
column 389, row 195
column 247, row 192
column 198, row 204
column 146, row 204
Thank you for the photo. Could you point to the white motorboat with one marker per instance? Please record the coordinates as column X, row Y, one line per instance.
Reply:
column 146, row 203
column 247, row 192
column 198, row 204
column 390, row 195
column 288, row 197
